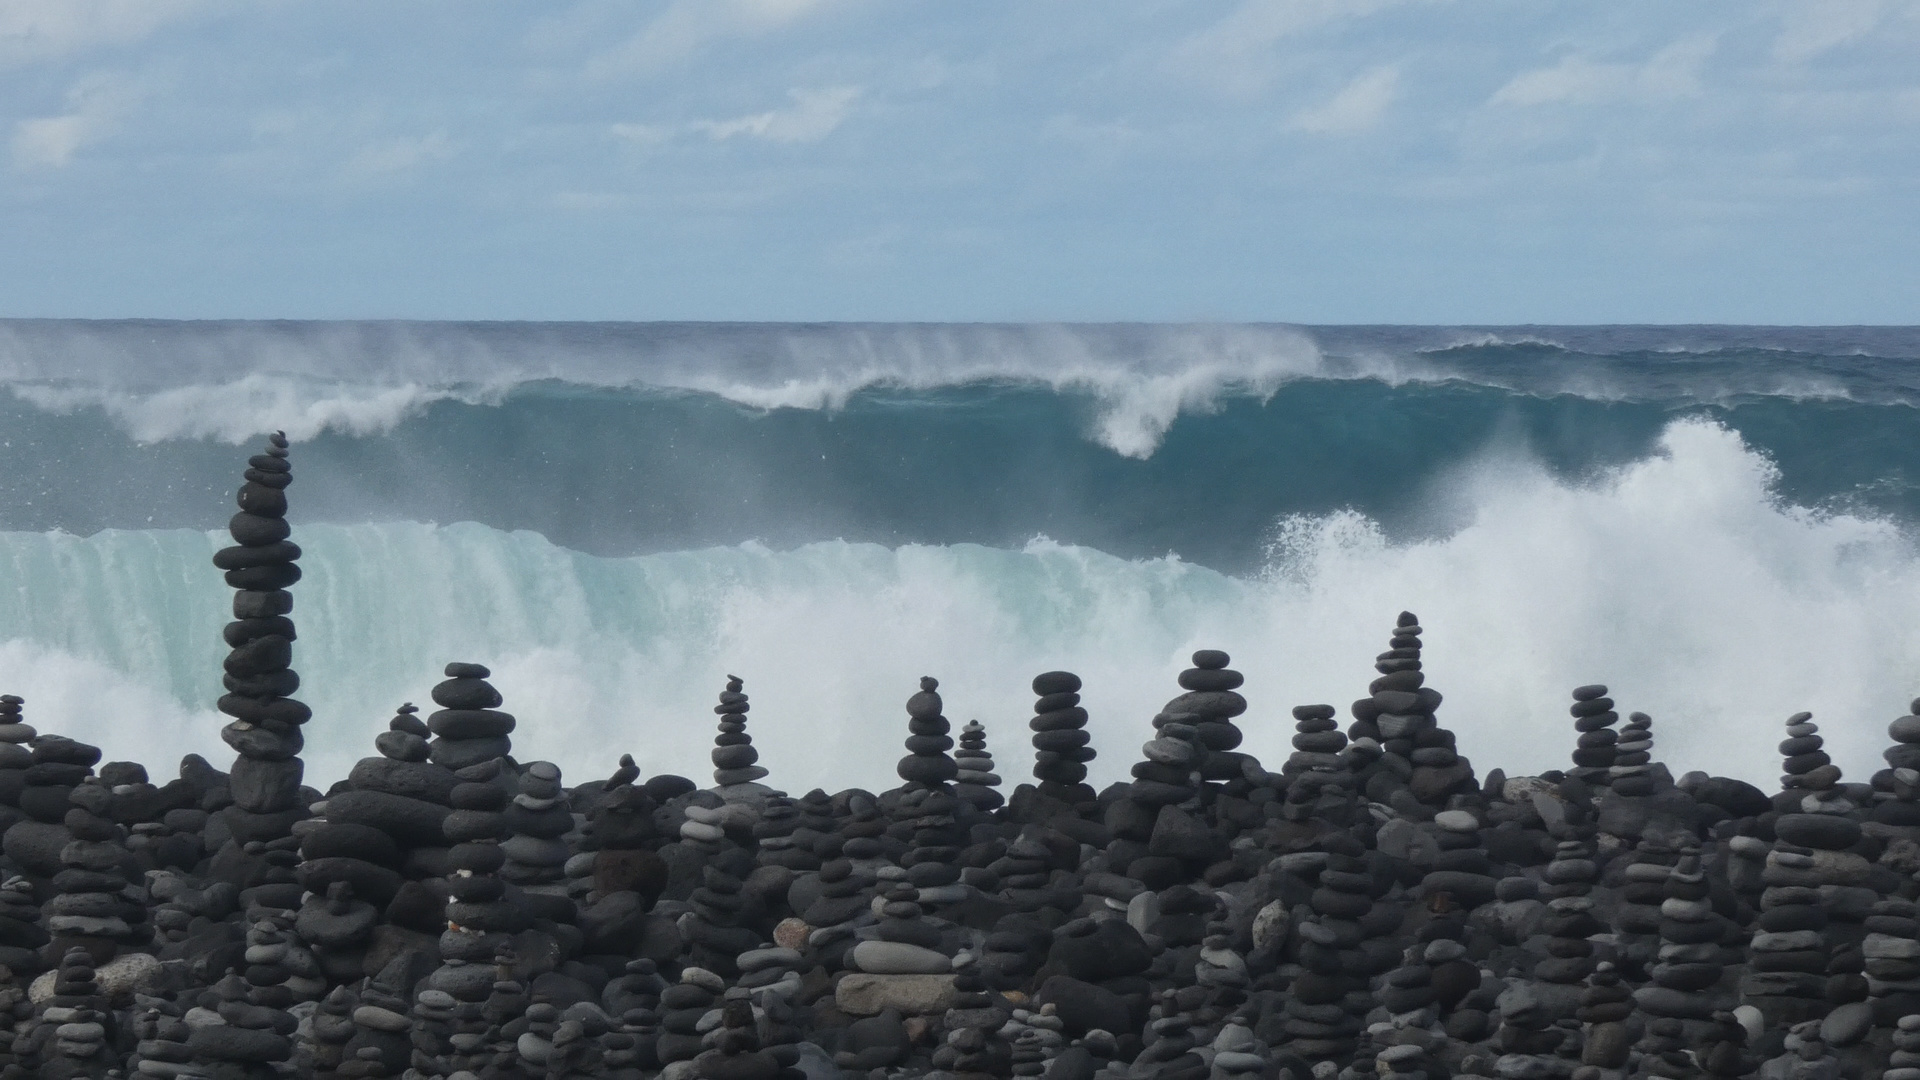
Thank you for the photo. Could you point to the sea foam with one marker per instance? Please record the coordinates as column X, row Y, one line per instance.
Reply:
column 1679, row 579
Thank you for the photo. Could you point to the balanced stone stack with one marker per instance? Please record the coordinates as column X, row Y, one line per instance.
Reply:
column 839, row 907
column 1605, row 1007
column 478, row 915
column 469, row 728
column 721, row 928
column 265, row 732
column 394, row 802
column 80, row 1023
column 1596, row 748
column 1896, row 788
column 1060, row 741
column 21, row 936
column 733, row 754
column 1174, row 758
column 1904, row 1062
column 1211, row 702
column 59, row 764
column 1461, row 871
column 15, row 757
column 337, row 927
column 1569, row 921
column 1419, row 767
column 975, row 782
column 1890, row 955
column 684, row 1006
column 1320, row 783
column 1632, row 772
column 538, row 817
column 780, row 818
column 91, row 912
column 1809, row 869
column 927, row 763
column 1686, row 980
column 935, row 841
column 1642, row 881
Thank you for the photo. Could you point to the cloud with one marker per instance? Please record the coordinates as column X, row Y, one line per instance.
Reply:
column 391, row 157
column 1811, row 28
column 1358, row 106
column 1672, row 72
column 43, row 29
column 689, row 25
column 94, row 106
column 1233, row 52
column 812, row 117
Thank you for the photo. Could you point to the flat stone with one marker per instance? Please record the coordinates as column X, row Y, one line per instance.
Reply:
column 865, row 994
column 898, row 958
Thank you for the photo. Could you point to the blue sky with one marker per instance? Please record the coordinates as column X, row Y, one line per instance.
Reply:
column 1292, row 160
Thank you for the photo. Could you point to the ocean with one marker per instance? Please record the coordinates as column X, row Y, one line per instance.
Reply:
column 1716, row 521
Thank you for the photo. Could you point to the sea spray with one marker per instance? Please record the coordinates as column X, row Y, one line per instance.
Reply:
column 1680, row 580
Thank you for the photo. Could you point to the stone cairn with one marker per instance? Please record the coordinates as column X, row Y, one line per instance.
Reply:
column 1595, row 747
column 1211, row 702
column 92, row 913
column 1418, row 767
column 260, row 681
column 975, row 782
column 1896, row 789
column 1061, row 746
column 16, row 756
column 734, row 757
column 1320, row 782
column 538, row 817
column 1632, row 772
column 1685, row 982
column 927, row 763
column 469, row 728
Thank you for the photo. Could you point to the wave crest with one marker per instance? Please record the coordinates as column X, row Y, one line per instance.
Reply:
column 1680, row 580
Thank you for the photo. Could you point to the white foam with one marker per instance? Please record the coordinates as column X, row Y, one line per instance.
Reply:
column 365, row 378
column 1678, row 580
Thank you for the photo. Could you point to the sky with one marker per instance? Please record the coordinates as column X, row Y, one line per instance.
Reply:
column 1316, row 161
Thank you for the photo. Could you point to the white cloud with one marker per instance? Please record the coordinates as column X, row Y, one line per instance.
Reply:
column 42, row 29
column 94, row 106
column 688, row 25
column 1233, row 53
column 1811, row 27
column 813, row 116
column 1358, row 106
column 391, row 157
column 1672, row 72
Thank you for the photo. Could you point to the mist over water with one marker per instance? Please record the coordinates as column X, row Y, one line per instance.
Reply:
column 1680, row 577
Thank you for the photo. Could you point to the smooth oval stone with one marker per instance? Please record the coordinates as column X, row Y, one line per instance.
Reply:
column 466, row 693
column 1056, row 682
column 1206, row 679
column 1211, row 659
column 1905, row 729
column 254, row 530
column 240, row 558
column 1828, row 832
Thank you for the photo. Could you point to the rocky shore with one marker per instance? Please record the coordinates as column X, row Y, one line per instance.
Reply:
column 1371, row 908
